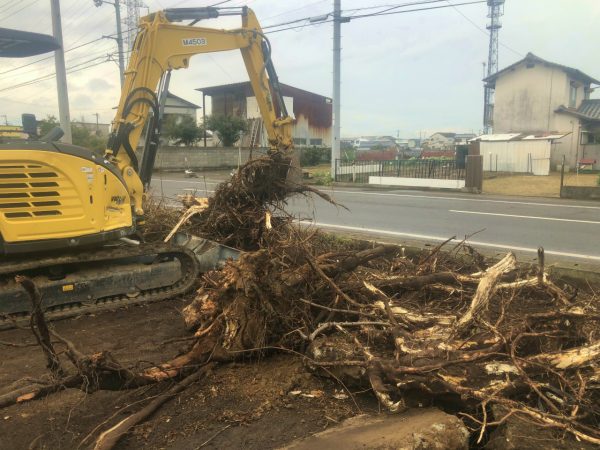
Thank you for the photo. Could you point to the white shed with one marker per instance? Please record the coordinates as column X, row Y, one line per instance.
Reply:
column 517, row 152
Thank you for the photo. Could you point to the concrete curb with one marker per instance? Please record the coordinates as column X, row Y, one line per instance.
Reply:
column 379, row 187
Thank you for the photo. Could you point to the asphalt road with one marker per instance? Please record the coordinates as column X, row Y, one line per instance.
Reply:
column 568, row 230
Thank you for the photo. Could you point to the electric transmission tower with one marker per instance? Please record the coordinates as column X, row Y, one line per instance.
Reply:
column 131, row 21
column 495, row 11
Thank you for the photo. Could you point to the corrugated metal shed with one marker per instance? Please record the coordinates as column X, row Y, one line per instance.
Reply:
column 503, row 137
column 520, row 156
column 496, row 137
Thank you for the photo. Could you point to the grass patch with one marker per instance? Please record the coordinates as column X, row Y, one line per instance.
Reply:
column 535, row 186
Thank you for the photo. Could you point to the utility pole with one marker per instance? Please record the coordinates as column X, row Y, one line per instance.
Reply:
column 61, row 74
column 119, row 37
column 337, row 50
column 97, row 120
column 495, row 10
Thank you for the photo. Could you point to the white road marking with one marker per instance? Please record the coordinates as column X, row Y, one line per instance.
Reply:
column 556, row 205
column 187, row 182
column 441, row 239
column 524, row 217
column 160, row 196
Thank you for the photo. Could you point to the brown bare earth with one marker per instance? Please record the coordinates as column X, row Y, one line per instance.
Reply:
column 248, row 403
column 535, row 186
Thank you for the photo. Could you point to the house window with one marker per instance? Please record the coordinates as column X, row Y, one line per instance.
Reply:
column 593, row 138
column 573, row 95
column 316, row 142
column 299, row 141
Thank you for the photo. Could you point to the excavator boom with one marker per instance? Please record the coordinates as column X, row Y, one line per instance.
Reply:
column 162, row 45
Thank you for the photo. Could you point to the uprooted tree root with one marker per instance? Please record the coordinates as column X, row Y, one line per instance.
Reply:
column 487, row 342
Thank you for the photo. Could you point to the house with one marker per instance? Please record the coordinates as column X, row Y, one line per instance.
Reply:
column 371, row 142
column 540, row 97
column 175, row 105
column 463, row 138
column 440, row 141
column 313, row 113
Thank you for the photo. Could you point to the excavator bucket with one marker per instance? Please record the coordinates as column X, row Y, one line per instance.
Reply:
column 209, row 254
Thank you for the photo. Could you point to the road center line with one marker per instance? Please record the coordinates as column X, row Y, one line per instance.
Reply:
column 510, row 202
column 443, row 238
column 524, row 217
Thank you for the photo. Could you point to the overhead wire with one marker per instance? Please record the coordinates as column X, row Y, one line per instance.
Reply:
column 295, row 9
column 7, row 6
column 19, row 10
column 393, row 5
column 377, row 14
column 74, row 20
column 98, row 51
column 387, row 8
column 51, row 75
column 68, row 50
column 487, row 33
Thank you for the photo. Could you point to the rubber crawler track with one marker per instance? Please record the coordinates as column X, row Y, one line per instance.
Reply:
column 186, row 258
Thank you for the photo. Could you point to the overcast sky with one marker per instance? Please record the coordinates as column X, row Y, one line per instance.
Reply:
column 406, row 73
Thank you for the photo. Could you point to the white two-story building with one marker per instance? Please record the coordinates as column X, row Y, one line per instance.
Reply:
column 540, row 97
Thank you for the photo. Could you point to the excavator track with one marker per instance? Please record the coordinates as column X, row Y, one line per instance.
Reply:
column 151, row 272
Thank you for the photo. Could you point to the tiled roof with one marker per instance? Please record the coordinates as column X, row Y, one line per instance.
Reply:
column 531, row 58
column 590, row 108
column 182, row 100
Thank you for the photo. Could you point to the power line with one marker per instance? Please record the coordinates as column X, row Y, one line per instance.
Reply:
column 393, row 5
column 379, row 14
column 104, row 50
column 295, row 9
column 387, row 8
column 51, row 75
column 52, row 56
column 20, row 9
column 7, row 6
column 484, row 31
column 102, row 16
column 376, row 14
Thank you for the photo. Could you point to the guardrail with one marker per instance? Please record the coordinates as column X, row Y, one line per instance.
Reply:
column 360, row 171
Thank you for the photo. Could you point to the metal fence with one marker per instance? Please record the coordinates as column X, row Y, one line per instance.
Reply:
column 359, row 171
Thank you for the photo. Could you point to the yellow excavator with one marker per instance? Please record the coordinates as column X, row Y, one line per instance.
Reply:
column 71, row 218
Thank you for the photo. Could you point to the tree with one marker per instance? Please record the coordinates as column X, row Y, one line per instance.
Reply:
column 47, row 124
column 81, row 135
column 227, row 128
column 182, row 129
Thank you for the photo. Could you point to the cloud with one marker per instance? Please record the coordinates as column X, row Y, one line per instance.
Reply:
column 99, row 84
column 417, row 71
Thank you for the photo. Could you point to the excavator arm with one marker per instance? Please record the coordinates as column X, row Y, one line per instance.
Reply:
column 162, row 46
